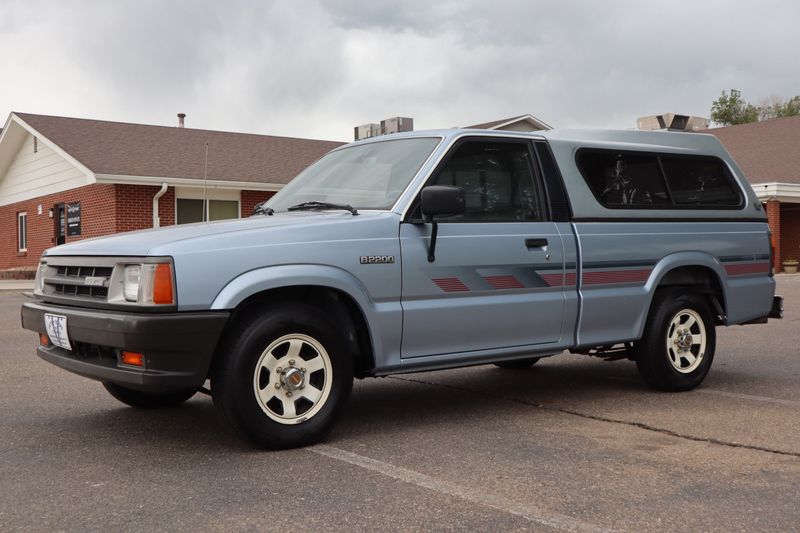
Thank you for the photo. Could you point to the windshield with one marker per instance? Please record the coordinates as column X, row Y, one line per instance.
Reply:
column 366, row 176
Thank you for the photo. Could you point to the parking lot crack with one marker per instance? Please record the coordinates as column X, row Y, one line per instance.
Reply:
column 600, row 418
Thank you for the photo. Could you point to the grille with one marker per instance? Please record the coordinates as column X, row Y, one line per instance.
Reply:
column 80, row 291
column 93, row 352
column 71, row 281
column 83, row 271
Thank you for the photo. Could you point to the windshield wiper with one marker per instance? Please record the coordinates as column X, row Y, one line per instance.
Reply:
column 322, row 205
column 262, row 209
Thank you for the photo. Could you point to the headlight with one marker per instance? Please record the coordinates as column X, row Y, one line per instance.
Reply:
column 130, row 286
column 38, row 285
column 149, row 283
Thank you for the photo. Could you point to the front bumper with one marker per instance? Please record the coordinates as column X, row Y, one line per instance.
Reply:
column 177, row 347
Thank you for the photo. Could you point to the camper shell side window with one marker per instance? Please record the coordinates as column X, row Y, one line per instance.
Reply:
column 642, row 180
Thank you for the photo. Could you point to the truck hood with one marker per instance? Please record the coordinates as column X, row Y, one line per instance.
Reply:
column 157, row 241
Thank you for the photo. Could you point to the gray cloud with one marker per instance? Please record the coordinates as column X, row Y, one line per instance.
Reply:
column 318, row 68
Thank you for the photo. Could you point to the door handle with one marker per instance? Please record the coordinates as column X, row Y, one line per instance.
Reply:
column 536, row 243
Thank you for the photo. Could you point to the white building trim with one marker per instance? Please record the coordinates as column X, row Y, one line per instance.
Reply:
column 537, row 123
column 783, row 192
column 32, row 166
column 57, row 149
column 187, row 182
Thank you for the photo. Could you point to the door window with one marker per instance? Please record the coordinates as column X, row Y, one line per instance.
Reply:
column 498, row 182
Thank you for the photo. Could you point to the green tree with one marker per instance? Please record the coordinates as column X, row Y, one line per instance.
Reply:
column 779, row 108
column 731, row 109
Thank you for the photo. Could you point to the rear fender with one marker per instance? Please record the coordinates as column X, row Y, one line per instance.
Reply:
column 678, row 260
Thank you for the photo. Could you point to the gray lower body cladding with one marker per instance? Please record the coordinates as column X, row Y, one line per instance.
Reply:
column 177, row 347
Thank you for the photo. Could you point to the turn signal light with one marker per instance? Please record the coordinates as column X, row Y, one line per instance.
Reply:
column 133, row 358
column 44, row 340
column 162, row 284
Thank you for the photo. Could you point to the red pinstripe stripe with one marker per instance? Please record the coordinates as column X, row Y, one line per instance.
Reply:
column 553, row 280
column 504, row 282
column 571, row 279
column 747, row 268
column 450, row 284
column 615, row 276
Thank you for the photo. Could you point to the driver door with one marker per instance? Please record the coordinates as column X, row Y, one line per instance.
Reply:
column 497, row 278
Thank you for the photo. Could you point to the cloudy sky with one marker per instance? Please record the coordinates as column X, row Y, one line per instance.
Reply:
column 316, row 69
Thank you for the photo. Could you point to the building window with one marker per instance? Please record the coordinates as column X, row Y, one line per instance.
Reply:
column 190, row 210
column 22, row 231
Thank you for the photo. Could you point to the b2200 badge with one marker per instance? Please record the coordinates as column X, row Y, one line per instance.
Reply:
column 376, row 259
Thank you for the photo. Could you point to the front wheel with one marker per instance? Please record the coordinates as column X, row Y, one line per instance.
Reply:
column 148, row 400
column 677, row 348
column 284, row 378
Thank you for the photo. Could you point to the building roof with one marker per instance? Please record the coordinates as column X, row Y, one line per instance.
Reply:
column 495, row 124
column 124, row 149
column 767, row 151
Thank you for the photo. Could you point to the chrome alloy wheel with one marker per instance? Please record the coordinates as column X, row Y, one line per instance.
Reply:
column 686, row 341
column 293, row 378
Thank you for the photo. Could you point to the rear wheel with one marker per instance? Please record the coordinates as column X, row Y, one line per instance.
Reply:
column 285, row 377
column 517, row 364
column 677, row 348
column 148, row 400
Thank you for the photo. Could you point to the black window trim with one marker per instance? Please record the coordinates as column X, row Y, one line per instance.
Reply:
column 672, row 205
column 557, row 198
column 535, row 168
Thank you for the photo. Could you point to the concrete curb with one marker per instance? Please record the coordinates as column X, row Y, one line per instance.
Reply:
column 16, row 285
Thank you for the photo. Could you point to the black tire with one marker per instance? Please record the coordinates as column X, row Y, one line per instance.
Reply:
column 658, row 358
column 239, row 391
column 518, row 364
column 148, row 400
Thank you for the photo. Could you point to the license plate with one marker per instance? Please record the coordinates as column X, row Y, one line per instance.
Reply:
column 56, row 326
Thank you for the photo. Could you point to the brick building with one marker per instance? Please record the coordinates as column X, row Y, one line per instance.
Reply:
column 65, row 179
column 768, row 153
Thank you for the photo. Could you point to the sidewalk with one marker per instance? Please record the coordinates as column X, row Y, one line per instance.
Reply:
column 16, row 285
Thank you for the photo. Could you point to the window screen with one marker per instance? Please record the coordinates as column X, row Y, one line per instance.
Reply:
column 621, row 180
column 498, row 182
column 223, row 209
column 701, row 181
column 191, row 210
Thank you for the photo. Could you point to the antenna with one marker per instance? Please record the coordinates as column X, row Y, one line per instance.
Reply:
column 205, row 178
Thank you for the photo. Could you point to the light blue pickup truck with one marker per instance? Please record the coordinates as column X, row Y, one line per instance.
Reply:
column 415, row 252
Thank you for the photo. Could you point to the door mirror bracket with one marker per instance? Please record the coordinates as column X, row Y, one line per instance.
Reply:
column 440, row 200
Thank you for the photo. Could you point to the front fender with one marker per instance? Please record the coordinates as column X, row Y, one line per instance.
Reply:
column 263, row 279
column 382, row 318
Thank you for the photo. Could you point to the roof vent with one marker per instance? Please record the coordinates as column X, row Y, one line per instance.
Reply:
column 181, row 117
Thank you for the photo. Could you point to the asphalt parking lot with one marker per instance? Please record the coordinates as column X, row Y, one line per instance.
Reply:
column 573, row 444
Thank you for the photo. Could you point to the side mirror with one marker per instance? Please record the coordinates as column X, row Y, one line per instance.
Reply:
column 439, row 200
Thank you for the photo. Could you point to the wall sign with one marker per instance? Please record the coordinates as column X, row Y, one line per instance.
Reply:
column 74, row 219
